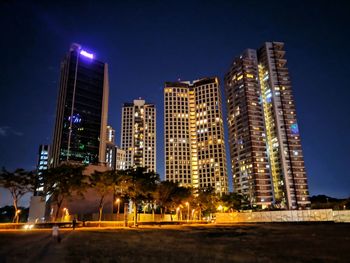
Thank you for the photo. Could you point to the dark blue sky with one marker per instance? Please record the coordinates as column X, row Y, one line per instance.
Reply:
column 149, row 42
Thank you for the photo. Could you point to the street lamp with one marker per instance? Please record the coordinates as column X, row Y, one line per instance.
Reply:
column 118, row 203
column 220, row 208
column 188, row 211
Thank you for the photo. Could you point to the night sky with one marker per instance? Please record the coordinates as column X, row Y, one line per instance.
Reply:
column 147, row 43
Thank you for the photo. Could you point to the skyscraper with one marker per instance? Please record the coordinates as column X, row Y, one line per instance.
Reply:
column 247, row 135
column 194, row 135
column 82, row 109
column 258, row 86
column 138, row 134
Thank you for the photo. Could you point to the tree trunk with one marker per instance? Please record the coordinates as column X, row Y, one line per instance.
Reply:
column 59, row 203
column 135, row 213
column 100, row 208
column 153, row 211
column 125, row 214
column 15, row 217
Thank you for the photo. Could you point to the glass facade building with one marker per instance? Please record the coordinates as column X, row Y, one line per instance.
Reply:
column 82, row 108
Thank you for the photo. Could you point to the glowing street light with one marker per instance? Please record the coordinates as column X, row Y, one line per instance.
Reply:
column 118, row 203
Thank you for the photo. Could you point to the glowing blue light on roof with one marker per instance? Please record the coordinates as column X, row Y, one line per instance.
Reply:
column 86, row 54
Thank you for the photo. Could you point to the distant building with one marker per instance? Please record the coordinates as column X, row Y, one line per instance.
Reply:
column 195, row 152
column 120, row 163
column 138, row 134
column 266, row 155
column 110, row 148
column 42, row 165
column 82, row 109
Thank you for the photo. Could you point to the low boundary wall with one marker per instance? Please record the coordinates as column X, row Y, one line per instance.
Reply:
column 320, row 215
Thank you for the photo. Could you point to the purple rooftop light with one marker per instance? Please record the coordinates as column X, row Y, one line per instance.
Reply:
column 86, row 54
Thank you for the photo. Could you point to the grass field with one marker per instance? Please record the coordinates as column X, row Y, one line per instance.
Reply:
column 212, row 243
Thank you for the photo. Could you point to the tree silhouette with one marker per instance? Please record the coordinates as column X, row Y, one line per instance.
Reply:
column 61, row 182
column 104, row 184
column 18, row 183
column 138, row 184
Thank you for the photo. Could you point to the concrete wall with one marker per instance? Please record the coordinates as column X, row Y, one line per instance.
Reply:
column 37, row 209
column 140, row 217
column 323, row 215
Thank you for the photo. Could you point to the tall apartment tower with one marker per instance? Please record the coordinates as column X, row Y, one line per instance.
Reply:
column 247, row 135
column 263, row 75
column 138, row 134
column 194, row 134
column 82, row 109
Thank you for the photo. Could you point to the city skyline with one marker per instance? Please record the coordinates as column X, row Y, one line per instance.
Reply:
column 139, row 68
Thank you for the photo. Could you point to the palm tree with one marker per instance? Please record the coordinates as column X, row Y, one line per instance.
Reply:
column 18, row 183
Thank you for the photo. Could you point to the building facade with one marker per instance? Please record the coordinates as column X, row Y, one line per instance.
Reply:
column 246, row 128
column 195, row 153
column 82, row 109
column 120, row 159
column 110, row 148
column 138, row 134
column 42, row 165
column 266, row 155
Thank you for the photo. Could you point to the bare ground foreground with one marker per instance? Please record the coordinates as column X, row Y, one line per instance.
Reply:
column 212, row 243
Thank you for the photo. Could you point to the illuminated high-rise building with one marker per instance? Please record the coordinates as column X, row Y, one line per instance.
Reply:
column 258, row 86
column 120, row 161
column 138, row 134
column 194, row 135
column 247, row 135
column 82, row 109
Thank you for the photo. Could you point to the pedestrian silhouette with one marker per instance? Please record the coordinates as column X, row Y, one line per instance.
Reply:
column 74, row 223
column 56, row 233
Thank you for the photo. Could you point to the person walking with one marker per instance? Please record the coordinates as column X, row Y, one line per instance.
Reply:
column 74, row 223
column 56, row 233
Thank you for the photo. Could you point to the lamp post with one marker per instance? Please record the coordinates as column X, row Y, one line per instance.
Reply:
column 188, row 211
column 118, row 205
column 177, row 213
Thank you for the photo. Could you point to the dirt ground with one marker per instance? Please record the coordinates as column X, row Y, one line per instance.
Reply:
column 201, row 243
